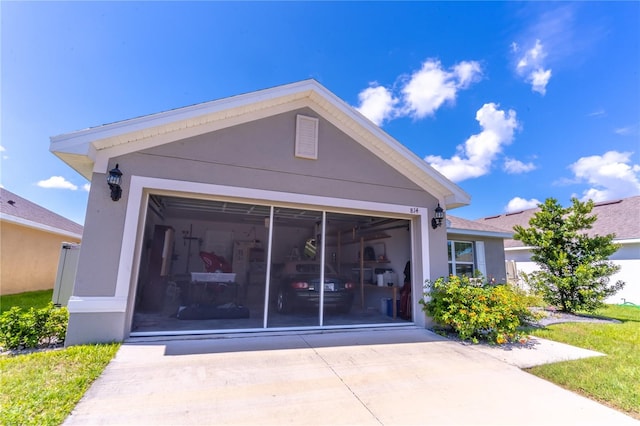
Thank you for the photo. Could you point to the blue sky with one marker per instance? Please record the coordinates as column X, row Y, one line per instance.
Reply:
column 515, row 102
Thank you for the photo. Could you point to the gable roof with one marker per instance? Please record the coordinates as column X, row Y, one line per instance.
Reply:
column 89, row 150
column 619, row 217
column 458, row 225
column 18, row 210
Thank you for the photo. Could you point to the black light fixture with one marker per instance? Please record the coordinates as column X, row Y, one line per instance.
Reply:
column 114, row 178
column 438, row 216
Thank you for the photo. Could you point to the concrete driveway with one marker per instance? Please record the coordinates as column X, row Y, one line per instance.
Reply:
column 404, row 376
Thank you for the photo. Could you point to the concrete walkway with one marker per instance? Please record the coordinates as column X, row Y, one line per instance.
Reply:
column 405, row 376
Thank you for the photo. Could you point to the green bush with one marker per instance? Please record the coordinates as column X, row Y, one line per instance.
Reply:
column 477, row 312
column 33, row 328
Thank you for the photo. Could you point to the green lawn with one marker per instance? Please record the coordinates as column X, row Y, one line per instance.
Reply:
column 36, row 299
column 42, row 388
column 614, row 379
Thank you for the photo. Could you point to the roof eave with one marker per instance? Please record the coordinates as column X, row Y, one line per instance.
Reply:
column 39, row 226
column 478, row 233
column 85, row 150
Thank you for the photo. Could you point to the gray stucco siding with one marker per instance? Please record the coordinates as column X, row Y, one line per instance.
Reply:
column 102, row 239
column 260, row 155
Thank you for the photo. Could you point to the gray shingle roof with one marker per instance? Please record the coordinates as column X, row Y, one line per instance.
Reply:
column 470, row 225
column 619, row 217
column 16, row 206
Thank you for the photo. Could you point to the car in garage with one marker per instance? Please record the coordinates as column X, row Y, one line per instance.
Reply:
column 298, row 287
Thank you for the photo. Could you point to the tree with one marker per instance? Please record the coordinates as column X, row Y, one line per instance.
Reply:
column 574, row 267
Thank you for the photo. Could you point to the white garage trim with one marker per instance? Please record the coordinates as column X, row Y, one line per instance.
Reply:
column 141, row 187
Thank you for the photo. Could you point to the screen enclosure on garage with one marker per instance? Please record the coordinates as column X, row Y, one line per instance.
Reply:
column 211, row 265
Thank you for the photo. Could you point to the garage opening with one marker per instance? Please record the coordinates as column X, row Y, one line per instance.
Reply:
column 220, row 266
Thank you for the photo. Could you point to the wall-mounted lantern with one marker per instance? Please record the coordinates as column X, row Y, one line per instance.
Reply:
column 114, row 179
column 438, row 216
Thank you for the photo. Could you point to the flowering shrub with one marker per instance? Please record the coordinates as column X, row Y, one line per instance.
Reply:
column 33, row 328
column 488, row 312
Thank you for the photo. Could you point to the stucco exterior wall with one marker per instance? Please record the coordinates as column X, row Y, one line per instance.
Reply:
column 28, row 258
column 258, row 155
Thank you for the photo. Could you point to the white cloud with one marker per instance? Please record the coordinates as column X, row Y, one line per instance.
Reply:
column 57, row 182
column 420, row 94
column 611, row 176
column 539, row 80
column 432, row 86
column 622, row 130
column 3, row 149
column 532, row 67
column 377, row 103
column 517, row 204
column 513, row 166
column 474, row 158
column 598, row 113
column 633, row 129
column 86, row 187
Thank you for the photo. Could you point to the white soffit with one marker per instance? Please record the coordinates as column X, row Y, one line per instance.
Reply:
column 89, row 150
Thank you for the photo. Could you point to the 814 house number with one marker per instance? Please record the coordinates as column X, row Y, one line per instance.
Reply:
column 414, row 210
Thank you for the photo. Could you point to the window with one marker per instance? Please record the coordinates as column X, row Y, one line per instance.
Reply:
column 461, row 258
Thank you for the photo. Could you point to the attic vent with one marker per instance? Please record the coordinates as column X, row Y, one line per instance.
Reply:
column 306, row 137
column 514, row 213
column 491, row 217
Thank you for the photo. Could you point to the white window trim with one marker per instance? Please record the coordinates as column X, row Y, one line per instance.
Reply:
column 453, row 261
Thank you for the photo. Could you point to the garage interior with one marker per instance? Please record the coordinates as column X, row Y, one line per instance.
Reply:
column 207, row 266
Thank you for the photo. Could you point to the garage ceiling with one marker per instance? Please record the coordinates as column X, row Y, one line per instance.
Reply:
column 224, row 211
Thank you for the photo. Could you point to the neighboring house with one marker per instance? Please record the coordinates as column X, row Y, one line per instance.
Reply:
column 31, row 238
column 279, row 175
column 619, row 217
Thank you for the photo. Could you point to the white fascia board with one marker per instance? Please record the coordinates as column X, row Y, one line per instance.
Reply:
column 523, row 248
column 107, row 132
column 476, row 233
column 627, row 241
column 39, row 226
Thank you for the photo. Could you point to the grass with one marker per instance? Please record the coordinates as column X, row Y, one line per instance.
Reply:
column 36, row 299
column 613, row 380
column 42, row 388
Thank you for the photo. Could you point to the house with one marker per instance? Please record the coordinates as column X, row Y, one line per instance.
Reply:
column 618, row 217
column 474, row 247
column 209, row 205
column 30, row 243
